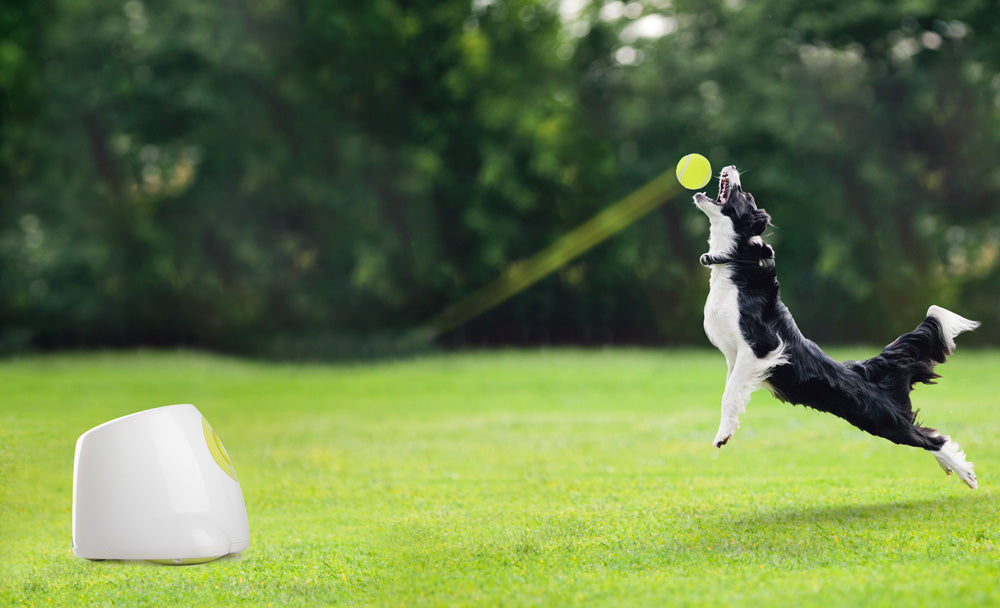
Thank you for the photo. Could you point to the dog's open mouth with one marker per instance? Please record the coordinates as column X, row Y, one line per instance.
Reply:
column 723, row 188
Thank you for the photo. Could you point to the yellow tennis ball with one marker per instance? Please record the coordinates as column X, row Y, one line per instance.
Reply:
column 694, row 171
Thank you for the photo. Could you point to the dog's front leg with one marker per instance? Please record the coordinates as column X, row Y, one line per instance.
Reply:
column 740, row 383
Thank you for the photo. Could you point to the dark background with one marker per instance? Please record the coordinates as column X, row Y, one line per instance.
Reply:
column 315, row 179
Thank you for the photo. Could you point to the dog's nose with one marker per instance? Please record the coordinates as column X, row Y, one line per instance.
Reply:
column 731, row 174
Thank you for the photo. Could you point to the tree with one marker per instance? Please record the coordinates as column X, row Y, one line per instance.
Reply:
column 316, row 178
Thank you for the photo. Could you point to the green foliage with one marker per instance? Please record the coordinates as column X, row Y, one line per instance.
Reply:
column 316, row 178
column 865, row 129
column 514, row 478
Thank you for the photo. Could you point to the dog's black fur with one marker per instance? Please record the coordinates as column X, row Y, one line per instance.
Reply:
column 873, row 395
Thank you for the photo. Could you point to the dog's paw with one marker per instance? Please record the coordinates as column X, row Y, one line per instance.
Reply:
column 723, row 437
column 726, row 431
column 952, row 458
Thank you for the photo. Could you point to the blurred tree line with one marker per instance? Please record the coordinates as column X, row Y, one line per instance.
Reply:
column 311, row 178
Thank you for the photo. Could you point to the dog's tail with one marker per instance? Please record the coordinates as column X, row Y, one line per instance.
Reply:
column 950, row 325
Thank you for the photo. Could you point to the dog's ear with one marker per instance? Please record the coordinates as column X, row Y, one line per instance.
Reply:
column 759, row 221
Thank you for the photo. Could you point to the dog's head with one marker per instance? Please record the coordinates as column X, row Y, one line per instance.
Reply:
column 736, row 222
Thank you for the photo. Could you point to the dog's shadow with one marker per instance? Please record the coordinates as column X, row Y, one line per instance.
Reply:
column 801, row 533
column 876, row 511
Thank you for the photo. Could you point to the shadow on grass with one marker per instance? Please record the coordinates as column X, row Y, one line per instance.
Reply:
column 930, row 509
column 846, row 534
column 151, row 563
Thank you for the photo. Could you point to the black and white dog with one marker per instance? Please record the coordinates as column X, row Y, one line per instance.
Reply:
column 746, row 320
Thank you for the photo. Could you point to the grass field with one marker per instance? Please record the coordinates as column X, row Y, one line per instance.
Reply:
column 536, row 478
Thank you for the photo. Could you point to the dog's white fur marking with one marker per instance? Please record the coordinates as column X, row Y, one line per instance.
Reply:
column 722, row 314
column 952, row 458
column 722, row 234
column 951, row 324
column 745, row 372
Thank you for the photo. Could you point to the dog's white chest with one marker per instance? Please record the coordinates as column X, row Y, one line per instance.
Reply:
column 722, row 313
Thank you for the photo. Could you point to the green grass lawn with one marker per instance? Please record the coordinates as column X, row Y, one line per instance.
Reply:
column 515, row 478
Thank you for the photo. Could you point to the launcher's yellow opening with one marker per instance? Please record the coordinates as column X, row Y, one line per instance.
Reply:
column 218, row 451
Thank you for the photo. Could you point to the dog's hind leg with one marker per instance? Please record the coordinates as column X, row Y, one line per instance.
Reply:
column 948, row 454
column 952, row 458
